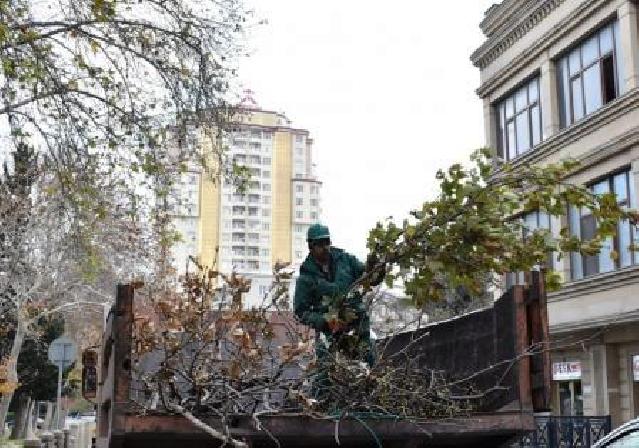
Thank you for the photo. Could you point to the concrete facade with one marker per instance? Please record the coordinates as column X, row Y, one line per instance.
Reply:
column 250, row 232
column 594, row 318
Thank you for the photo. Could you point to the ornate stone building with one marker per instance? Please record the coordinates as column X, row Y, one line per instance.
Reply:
column 559, row 79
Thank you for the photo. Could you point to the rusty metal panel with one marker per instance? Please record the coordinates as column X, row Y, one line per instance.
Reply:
column 122, row 335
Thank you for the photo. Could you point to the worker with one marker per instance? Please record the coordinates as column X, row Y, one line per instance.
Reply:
column 326, row 276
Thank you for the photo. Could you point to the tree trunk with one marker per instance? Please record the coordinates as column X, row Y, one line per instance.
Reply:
column 12, row 371
column 22, row 411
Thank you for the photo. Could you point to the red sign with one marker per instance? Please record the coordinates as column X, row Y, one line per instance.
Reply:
column 565, row 371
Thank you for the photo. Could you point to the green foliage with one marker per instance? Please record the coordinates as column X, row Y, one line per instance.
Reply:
column 472, row 229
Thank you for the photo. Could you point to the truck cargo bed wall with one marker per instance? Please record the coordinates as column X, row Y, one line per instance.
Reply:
column 486, row 350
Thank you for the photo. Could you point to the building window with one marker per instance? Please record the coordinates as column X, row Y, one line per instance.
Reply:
column 615, row 252
column 588, row 75
column 536, row 220
column 299, row 254
column 239, row 224
column 519, row 121
column 314, row 202
column 266, row 174
column 299, row 228
column 266, row 199
column 314, row 189
column 266, row 212
column 299, row 201
column 314, row 215
column 299, row 138
column 266, row 187
column 299, row 151
column 239, row 143
column 266, row 226
column 299, row 214
column 299, row 188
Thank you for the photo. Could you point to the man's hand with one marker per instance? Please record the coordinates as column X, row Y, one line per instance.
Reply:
column 336, row 325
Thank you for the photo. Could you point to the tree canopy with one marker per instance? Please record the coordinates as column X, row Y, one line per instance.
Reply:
column 474, row 227
column 102, row 101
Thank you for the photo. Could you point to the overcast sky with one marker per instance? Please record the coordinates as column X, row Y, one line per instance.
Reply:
column 386, row 90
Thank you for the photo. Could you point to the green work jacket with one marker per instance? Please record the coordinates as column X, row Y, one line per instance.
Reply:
column 313, row 284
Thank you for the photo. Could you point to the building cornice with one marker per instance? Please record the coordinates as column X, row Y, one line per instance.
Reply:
column 596, row 283
column 498, row 16
column 607, row 114
column 535, row 49
column 605, row 321
column 593, row 284
column 520, row 17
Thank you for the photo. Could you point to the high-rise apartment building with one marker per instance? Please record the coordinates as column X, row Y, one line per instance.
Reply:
column 559, row 79
column 248, row 232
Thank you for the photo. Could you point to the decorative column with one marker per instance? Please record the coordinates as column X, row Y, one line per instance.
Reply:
column 549, row 97
column 490, row 126
column 605, row 367
column 629, row 40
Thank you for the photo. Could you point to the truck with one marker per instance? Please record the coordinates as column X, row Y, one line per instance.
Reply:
column 502, row 350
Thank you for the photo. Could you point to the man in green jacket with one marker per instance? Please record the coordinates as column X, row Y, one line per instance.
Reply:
column 321, row 299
